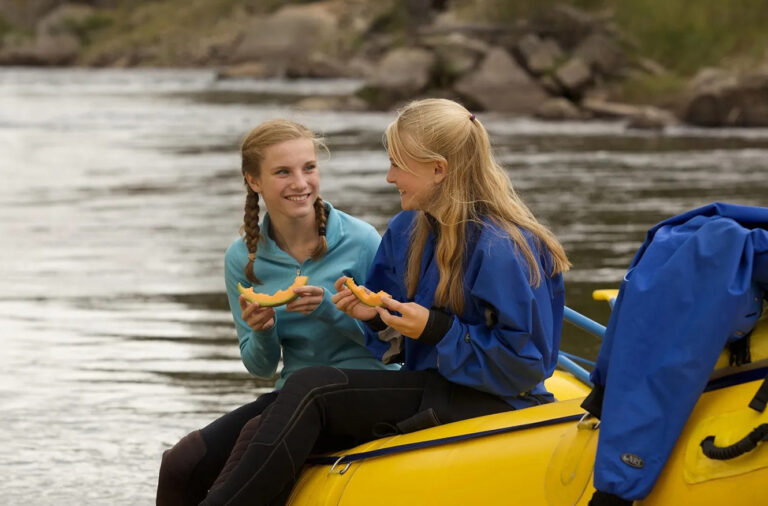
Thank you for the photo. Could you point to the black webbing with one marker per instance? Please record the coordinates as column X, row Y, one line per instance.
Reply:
column 352, row 457
column 761, row 397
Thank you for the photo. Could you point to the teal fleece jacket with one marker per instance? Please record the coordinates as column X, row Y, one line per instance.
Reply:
column 324, row 337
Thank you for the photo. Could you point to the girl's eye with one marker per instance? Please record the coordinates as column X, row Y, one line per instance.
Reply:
column 310, row 167
column 281, row 171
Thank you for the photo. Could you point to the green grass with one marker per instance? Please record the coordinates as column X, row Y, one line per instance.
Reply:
column 88, row 28
column 685, row 35
column 171, row 27
column 5, row 26
column 662, row 91
column 682, row 35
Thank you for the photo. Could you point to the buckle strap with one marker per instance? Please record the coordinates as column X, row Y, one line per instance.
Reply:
column 760, row 399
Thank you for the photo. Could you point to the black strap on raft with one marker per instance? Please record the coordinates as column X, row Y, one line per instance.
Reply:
column 352, row 457
column 746, row 444
column 739, row 352
column 594, row 401
column 760, row 399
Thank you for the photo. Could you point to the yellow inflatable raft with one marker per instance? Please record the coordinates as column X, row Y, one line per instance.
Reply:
column 549, row 460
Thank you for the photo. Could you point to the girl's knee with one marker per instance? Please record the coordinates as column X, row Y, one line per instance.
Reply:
column 313, row 379
column 176, row 468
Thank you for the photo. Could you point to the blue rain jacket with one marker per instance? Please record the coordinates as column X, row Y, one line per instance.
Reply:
column 695, row 284
column 507, row 338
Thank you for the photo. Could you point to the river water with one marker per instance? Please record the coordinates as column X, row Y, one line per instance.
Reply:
column 121, row 190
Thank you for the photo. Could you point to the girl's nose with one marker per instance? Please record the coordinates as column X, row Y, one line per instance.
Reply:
column 390, row 176
column 298, row 181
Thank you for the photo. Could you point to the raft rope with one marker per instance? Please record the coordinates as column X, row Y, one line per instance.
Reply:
column 748, row 442
column 353, row 457
column 737, row 449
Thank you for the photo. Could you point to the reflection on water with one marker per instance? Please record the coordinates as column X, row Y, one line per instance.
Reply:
column 121, row 192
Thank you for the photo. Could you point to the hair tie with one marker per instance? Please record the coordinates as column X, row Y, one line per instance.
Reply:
column 321, row 231
column 472, row 118
column 251, row 256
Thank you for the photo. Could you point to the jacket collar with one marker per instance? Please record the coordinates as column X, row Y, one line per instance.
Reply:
column 334, row 232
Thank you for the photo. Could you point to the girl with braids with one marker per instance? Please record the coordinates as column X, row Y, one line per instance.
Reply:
column 298, row 232
column 475, row 311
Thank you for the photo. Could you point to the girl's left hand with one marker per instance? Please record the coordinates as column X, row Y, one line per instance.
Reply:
column 413, row 317
column 309, row 298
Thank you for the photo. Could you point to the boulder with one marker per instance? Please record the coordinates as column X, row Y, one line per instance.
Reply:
column 330, row 103
column 297, row 40
column 550, row 84
column 500, row 84
column 405, row 70
column 650, row 66
column 539, row 56
column 456, row 54
column 637, row 116
column 574, row 76
column 401, row 74
column 711, row 78
column 558, row 108
column 360, row 66
column 16, row 50
column 717, row 98
column 602, row 53
column 63, row 20
column 651, row 118
column 26, row 13
column 249, row 69
column 56, row 40
column 62, row 49
column 566, row 24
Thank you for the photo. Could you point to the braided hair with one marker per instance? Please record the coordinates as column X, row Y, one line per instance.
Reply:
column 253, row 148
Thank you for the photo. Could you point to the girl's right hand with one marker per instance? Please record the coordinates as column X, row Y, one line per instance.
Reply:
column 256, row 317
column 346, row 301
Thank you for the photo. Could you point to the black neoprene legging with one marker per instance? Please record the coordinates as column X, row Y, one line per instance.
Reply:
column 190, row 468
column 325, row 409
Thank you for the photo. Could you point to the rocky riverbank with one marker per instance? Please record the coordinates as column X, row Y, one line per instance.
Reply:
column 559, row 63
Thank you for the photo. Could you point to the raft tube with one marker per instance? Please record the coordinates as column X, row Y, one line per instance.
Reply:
column 551, row 463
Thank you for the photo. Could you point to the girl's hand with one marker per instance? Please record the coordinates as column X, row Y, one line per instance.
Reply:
column 346, row 301
column 413, row 317
column 309, row 298
column 256, row 317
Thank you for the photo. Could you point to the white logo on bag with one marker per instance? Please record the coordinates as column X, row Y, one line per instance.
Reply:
column 633, row 460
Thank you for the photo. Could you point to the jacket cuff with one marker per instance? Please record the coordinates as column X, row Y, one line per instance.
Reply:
column 606, row 499
column 438, row 325
column 376, row 323
column 594, row 401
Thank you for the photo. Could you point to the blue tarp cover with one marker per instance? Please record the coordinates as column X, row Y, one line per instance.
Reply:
column 694, row 285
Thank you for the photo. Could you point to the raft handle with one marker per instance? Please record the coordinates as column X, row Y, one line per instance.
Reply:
column 587, row 422
column 342, row 471
column 745, row 445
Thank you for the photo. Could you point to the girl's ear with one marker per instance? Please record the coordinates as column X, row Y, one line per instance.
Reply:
column 253, row 182
column 440, row 171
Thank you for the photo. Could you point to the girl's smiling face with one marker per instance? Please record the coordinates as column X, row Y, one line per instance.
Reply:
column 416, row 182
column 288, row 180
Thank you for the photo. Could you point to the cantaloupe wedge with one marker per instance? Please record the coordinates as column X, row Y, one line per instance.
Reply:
column 278, row 298
column 366, row 296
